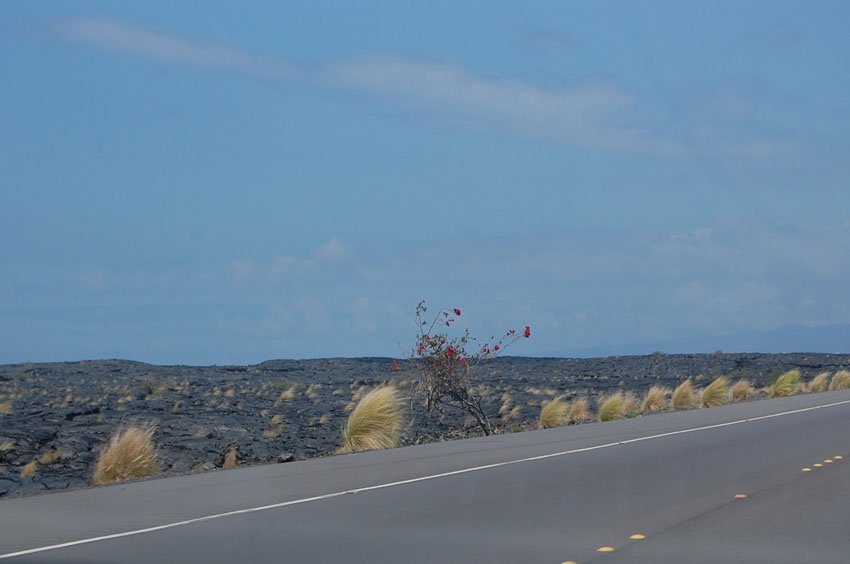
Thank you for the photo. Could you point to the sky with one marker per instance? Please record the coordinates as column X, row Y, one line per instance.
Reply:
column 217, row 183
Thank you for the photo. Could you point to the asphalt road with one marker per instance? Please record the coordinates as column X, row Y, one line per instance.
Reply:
column 543, row 497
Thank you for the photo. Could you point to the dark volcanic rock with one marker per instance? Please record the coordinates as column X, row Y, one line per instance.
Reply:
column 284, row 410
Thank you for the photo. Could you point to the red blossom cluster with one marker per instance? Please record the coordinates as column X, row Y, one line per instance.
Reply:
column 446, row 362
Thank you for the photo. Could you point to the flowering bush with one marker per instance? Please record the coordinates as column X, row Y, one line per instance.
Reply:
column 447, row 363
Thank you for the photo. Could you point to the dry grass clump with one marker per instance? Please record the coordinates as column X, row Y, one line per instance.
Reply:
column 631, row 405
column 375, row 423
column 6, row 408
column 230, row 458
column 655, row 399
column 6, row 445
column 29, row 469
column 553, row 413
column 285, row 395
column 579, row 411
column 49, row 456
column 129, row 454
column 785, row 385
column 684, row 396
column 610, row 407
column 840, row 381
column 742, row 390
column 277, row 419
column 514, row 413
column 819, row 383
column 716, row 393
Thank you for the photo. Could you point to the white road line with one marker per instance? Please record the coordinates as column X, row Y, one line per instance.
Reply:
column 409, row 481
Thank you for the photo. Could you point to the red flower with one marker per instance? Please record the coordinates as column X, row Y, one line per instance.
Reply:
column 457, row 311
column 450, row 351
column 527, row 332
column 462, row 361
column 495, row 348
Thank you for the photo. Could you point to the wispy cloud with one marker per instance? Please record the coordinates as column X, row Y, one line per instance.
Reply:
column 113, row 35
column 587, row 114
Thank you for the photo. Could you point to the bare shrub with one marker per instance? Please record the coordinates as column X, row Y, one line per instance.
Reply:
column 445, row 366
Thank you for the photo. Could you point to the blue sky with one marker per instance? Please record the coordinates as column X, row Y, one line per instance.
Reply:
column 232, row 182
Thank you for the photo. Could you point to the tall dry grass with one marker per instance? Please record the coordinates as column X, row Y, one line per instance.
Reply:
column 785, row 385
column 554, row 413
column 684, row 396
column 840, row 380
column 631, row 405
column 716, row 393
column 375, row 423
column 579, row 411
column 742, row 390
column 655, row 399
column 129, row 454
column 610, row 407
column 819, row 383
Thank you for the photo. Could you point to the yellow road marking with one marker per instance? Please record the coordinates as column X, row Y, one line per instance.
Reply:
column 817, row 465
column 838, row 457
column 569, row 562
column 740, row 496
column 807, row 469
column 605, row 549
column 828, row 461
column 637, row 536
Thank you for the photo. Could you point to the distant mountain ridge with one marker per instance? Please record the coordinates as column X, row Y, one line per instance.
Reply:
column 786, row 339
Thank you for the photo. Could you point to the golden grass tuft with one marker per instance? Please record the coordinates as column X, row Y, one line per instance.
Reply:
column 553, row 413
column 6, row 445
column 716, row 393
column 230, row 458
column 579, row 411
column 277, row 419
column 610, row 407
column 49, row 457
column 819, row 383
column 785, row 385
column 6, row 408
column 631, row 405
column 684, row 396
column 840, row 380
column 128, row 455
column 375, row 423
column 655, row 399
column 29, row 469
column 742, row 390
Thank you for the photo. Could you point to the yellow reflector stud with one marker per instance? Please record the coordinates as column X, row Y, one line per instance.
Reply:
column 605, row 549
column 740, row 496
column 637, row 536
column 807, row 469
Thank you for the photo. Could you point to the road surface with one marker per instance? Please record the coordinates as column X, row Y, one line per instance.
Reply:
column 723, row 484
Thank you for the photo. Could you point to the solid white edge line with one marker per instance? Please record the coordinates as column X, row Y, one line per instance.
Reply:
column 408, row 481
